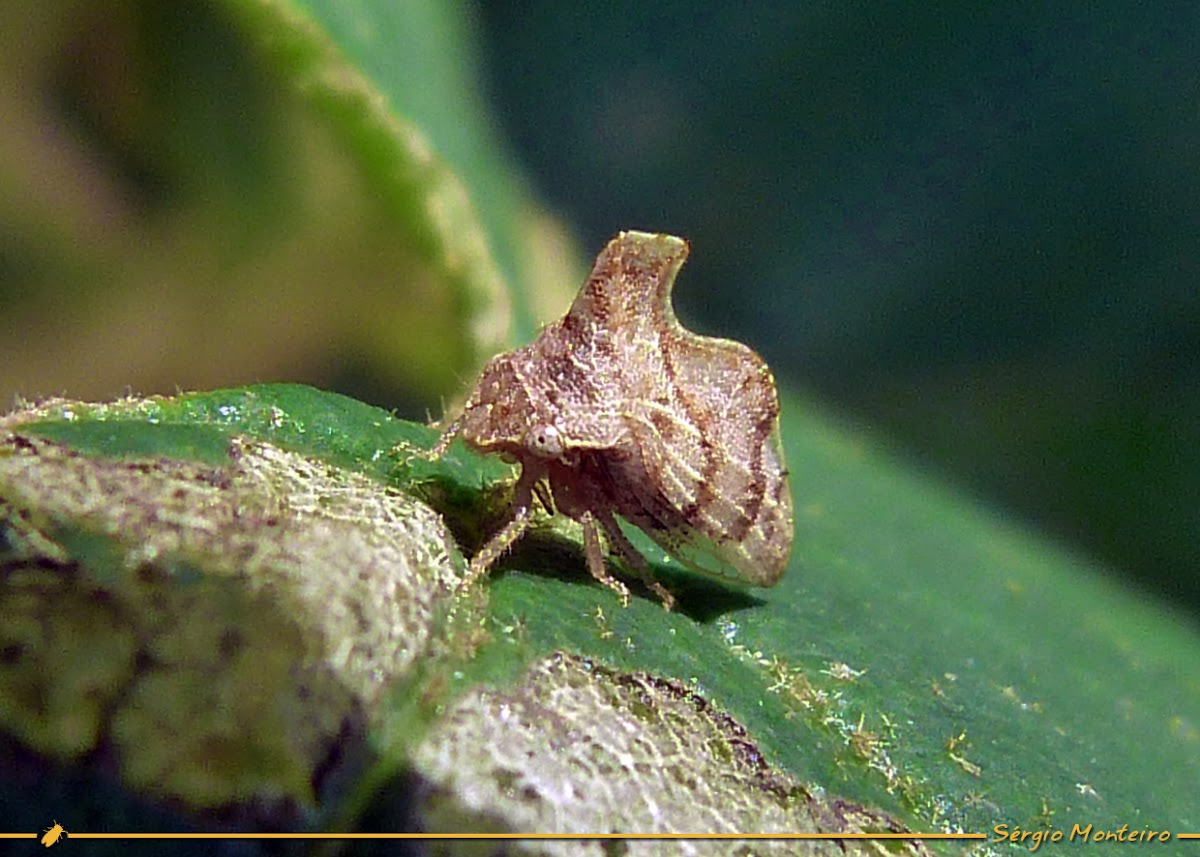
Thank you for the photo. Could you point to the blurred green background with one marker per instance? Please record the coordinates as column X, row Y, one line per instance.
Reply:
column 971, row 230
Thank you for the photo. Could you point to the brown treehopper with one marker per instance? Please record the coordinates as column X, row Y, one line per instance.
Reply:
column 617, row 410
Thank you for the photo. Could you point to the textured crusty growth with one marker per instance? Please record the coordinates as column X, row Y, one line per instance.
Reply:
column 221, row 634
column 579, row 747
column 621, row 411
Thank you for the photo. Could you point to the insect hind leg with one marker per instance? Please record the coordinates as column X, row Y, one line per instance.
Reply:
column 629, row 553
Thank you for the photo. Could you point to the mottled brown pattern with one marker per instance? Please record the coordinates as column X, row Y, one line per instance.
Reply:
column 623, row 412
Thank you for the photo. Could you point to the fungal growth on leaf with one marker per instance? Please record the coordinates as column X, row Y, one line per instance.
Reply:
column 617, row 410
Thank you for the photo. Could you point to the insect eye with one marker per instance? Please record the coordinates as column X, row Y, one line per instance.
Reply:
column 544, row 441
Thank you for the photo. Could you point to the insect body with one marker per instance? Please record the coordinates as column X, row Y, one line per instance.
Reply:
column 620, row 411
column 52, row 834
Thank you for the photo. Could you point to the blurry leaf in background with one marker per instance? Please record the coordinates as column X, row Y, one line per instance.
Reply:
column 198, row 194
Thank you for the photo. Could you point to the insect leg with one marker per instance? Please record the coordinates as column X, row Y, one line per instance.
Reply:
column 617, row 540
column 595, row 558
column 444, row 440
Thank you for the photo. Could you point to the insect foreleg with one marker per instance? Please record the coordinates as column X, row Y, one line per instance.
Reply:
column 498, row 545
column 444, row 440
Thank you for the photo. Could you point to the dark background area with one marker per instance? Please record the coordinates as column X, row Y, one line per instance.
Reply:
column 971, row 229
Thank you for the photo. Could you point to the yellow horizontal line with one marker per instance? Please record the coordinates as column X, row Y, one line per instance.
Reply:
column 575, row 836
column 533, row 836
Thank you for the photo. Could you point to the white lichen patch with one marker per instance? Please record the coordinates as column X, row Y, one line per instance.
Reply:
column 222, row 633
column 580, row 748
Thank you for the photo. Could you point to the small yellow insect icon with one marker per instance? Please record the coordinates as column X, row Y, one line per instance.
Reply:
column 52, row 834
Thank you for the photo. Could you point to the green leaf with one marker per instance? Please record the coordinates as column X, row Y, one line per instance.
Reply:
column 1071, row 695
column 922, row 654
